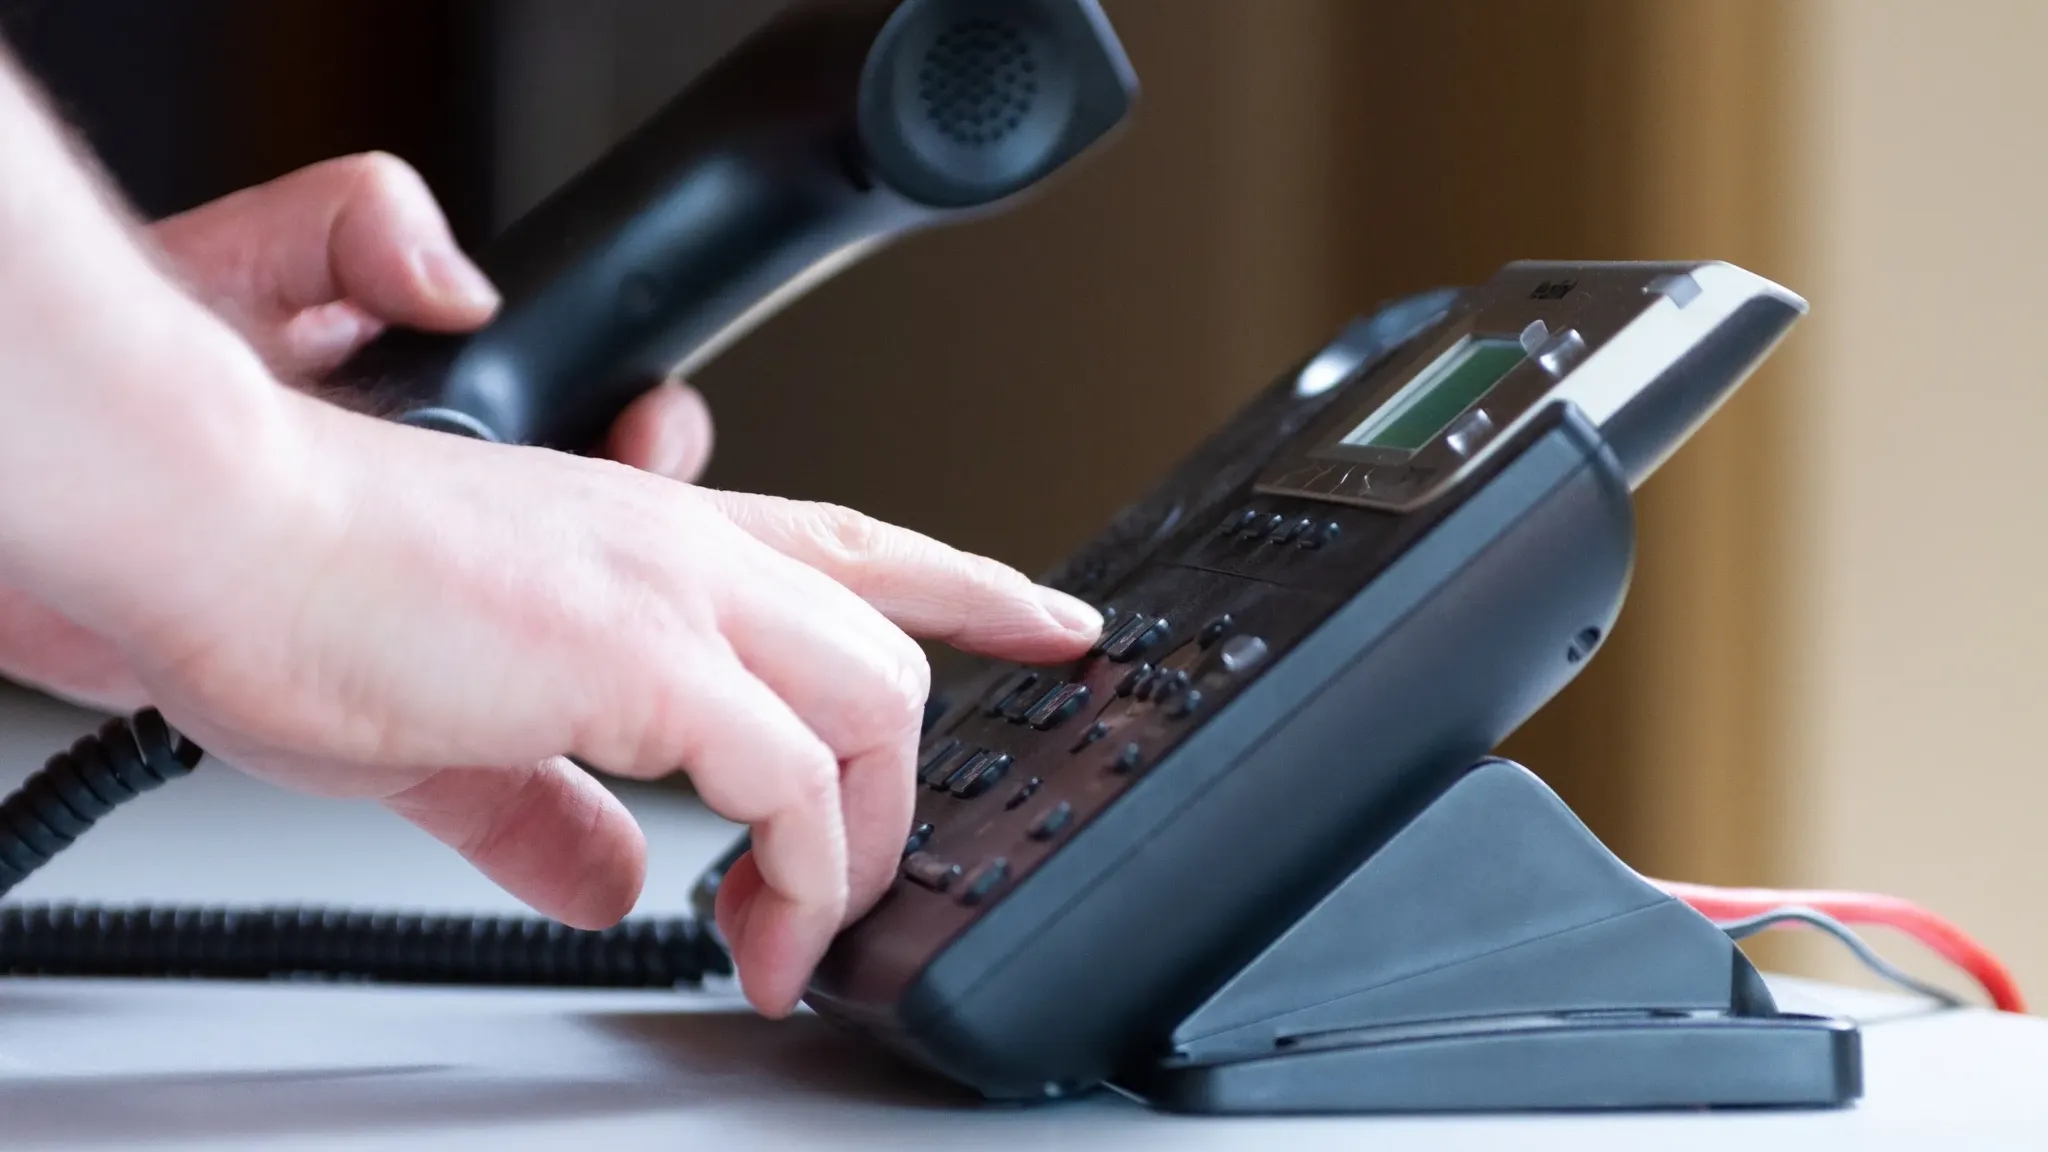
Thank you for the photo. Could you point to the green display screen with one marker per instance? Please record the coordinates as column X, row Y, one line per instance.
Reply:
column 1434, row 398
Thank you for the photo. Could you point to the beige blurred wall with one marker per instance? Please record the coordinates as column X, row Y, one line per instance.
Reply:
column 1920, row 634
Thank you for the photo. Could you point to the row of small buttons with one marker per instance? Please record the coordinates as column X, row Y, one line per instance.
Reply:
column 1168, row 688
column 1133, row 636
column 1304, row 532
column 1023, row 700
column 943, row 769
column 940, row 875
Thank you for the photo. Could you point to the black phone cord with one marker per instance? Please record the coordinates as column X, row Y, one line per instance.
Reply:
column 127, row 757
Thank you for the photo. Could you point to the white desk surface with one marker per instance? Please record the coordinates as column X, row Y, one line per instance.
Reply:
column 116, row 1064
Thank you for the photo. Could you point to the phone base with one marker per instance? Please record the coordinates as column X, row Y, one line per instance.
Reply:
column 1493, row 955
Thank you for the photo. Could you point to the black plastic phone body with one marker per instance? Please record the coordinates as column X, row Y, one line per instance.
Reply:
column 1335, row 651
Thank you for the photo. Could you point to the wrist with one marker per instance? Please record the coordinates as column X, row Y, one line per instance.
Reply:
column 141, row 470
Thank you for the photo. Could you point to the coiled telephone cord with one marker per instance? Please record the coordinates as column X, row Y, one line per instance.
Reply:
column 128, row 757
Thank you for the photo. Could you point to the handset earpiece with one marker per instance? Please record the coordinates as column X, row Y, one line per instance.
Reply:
column 838, row 128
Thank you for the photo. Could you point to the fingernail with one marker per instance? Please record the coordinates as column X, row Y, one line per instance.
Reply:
column 1072, row 614
column 325, row 329
column 450, row 275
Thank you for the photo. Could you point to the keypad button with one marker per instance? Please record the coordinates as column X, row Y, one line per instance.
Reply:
column 1260, row 525
column 1127, row 630
column 936, row 754
column 1291, row 530
column 1274, row 523
column 942, row 777
column 1132, row 643
column 1058, row 708
column 1023, row 703
column 940, row 766
column 968, row 785
column 1186, row 704
column 1109, row 614
column 1132, row 679
column 1241, row 521
column 1096, row 731
column 930, row 871
column 1025, row 791
column 985, row 881
column 1148, row 685
column 1327, row 534
column 1127, row 759
column 919, row 837
column 1168, row 685
column 1051, row 821
column 1240, row 654
column 1215, row 630
column 1006, row 694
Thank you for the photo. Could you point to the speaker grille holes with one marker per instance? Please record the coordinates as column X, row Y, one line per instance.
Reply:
column 978, row 81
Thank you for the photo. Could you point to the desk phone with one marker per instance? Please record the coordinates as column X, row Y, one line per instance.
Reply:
column 1251, row 854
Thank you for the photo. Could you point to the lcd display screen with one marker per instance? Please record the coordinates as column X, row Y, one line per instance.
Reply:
column 1438, row 395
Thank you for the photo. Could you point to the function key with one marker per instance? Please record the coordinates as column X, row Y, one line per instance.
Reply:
column 1260, row 525
column 1327, row 534
column 1051, row 821
column 1240, row 653
column 986, row 880
column 919, row 837
column 1241, row 521
column 1127, row 629
column 1058, row 707
column 1131, row 643
column 1009, row 690
column 1132, row 679
column 942, row 777
column 1025, row 791
column 1096, row 731
column 935, row 768
column 1150, row 684
column 972, row 782
column 930, row 871
column 1216, row 630
column 1021, row 705
column 1168, row 685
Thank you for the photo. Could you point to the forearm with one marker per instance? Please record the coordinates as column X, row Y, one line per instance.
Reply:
column 131, row 418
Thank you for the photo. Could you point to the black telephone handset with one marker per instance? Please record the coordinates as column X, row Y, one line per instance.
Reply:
column 841, row 126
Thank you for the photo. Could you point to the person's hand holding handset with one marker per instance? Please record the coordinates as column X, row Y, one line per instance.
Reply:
column 357, row 608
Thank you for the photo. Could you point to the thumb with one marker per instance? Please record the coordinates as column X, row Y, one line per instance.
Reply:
column 362, row 229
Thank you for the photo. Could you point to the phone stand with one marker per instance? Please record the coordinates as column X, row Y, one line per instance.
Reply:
column 1494, row 956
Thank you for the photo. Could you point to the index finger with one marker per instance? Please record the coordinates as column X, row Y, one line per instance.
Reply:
column 924, row 587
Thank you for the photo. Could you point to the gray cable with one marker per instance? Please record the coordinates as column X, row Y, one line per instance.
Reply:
column 1750, row 926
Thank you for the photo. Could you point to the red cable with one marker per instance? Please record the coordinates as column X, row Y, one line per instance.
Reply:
column 1951, row 942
